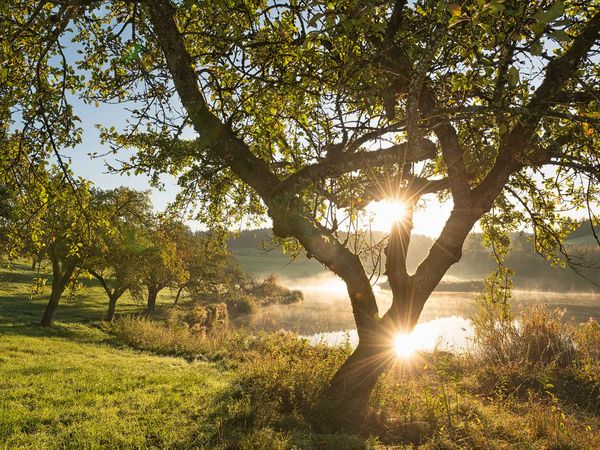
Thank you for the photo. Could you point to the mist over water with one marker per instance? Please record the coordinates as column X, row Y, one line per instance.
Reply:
column 325, row 315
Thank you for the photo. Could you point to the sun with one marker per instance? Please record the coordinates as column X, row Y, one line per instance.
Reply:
column 405, row 345
column 385, row 213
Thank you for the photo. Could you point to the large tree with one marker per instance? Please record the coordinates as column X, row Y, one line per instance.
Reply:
column 307, row 111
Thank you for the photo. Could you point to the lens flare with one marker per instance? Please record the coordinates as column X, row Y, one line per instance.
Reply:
column 385, row 213
column 404, row 345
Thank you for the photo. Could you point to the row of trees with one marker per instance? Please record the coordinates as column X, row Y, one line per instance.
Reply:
column 74, row 230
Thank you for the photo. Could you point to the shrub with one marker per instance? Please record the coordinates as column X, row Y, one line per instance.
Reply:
column 209, row 317
column 542, row 335
column 293, row 296
column 238, row 304
column 269, row 291
column 587, row 340
column 545, row 337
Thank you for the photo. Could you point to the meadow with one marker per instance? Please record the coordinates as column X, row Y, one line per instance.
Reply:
column 148, row 382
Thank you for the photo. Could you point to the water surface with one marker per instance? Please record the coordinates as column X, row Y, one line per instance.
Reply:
column 326, row 315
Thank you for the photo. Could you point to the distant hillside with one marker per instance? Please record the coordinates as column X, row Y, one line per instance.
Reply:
column 257, row 255
column 584, row 235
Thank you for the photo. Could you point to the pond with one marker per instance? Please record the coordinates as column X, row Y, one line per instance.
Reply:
column 325, row 315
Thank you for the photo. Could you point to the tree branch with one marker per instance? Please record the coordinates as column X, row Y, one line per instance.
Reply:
column 216, row 136
column 341, row 163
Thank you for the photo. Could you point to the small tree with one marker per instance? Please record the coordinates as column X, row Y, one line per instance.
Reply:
column 115, row 257
column 162, row 264
column 212, row 269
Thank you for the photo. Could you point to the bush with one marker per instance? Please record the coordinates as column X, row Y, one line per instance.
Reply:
column 545, row 337
column 542, row 336
column 238, row 304
column 269, row 291
column 209, row 317
column 293, row 296
column 587, row 340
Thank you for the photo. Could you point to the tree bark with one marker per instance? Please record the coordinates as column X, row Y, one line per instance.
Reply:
column 112, row 304
column 51, row 307
column 60, row 278
column 177, row 296
column 152, row 294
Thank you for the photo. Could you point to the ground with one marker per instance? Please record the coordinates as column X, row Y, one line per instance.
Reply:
column 85, row 384
column 74, row 386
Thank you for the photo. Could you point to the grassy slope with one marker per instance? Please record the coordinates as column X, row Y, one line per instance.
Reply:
column 73, row 386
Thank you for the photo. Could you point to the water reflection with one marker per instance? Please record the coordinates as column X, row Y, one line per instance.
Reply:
column 325, row 314
column 446, row 333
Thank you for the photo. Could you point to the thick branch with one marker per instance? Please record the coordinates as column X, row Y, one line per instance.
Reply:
column 102, row 281
column 217, row 137
column 396, row 252
column 341, row 163
column 325, row 247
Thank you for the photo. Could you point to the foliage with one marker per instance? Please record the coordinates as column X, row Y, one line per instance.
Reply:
column 240, row 303
column 208, row 318
column 213, row 270
column 115, row 257
column 307, row 111
column 162, row 264
column 270, row 290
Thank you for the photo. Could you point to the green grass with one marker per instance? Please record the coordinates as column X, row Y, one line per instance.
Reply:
column 73, row 386
column 75, row 391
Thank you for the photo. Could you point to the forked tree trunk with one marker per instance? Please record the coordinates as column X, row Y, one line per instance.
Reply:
column 345, row 401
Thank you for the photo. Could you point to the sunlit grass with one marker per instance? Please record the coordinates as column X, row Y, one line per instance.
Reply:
column 77, row 386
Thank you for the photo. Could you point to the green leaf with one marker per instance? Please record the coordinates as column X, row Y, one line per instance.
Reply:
column 513, row 75
column 553, row 13
column 536, row 49
column 560, row 35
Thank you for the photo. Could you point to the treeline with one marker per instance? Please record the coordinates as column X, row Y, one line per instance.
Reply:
column 478, row 261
